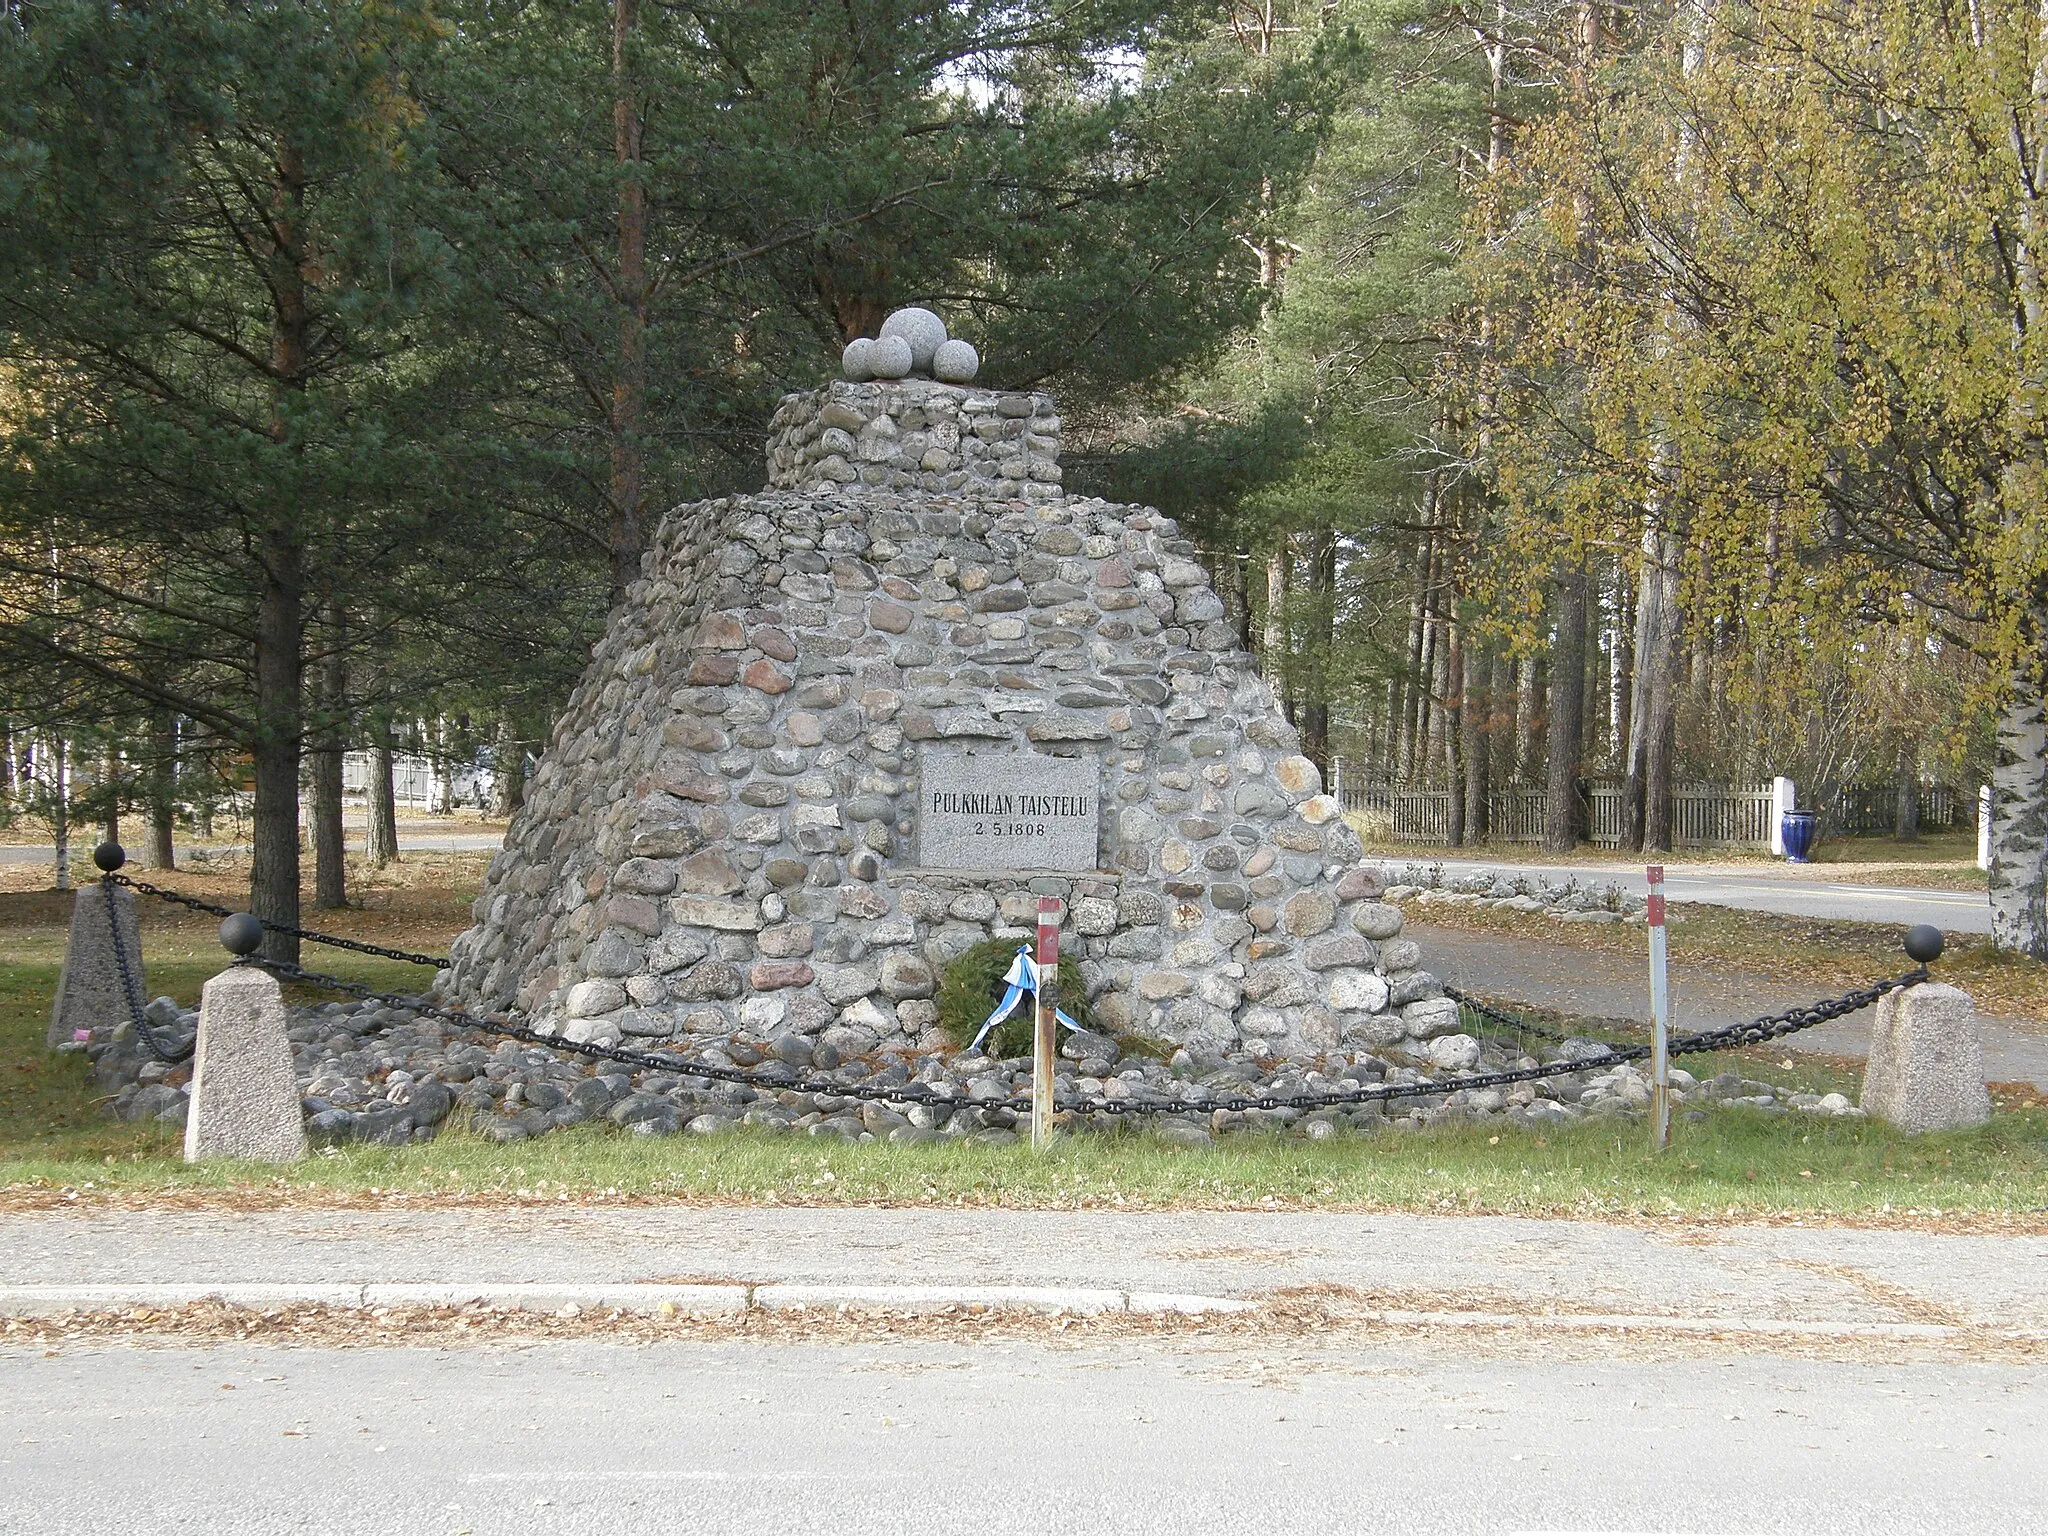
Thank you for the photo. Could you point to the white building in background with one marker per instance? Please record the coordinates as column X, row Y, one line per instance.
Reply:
column 420, row 783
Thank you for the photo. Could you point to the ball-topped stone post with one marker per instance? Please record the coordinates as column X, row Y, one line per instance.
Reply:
column 245, row 1088
column 91, row 993
column 1926, row 1066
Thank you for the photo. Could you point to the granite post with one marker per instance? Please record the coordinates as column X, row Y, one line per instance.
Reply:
column 245, row 1091
column 1926, row 1068
column 89, row 992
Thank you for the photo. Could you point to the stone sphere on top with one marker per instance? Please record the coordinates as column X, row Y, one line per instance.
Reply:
column 924, row 331
column 956, row 362
column 890, row 358
column 855, row 361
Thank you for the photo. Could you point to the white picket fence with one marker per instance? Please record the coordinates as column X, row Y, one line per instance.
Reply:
column 1702, row 816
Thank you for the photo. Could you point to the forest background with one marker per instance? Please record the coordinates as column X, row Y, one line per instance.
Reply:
column 1556, row 390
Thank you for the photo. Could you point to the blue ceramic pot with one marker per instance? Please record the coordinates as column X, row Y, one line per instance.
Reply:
column 1797, row 828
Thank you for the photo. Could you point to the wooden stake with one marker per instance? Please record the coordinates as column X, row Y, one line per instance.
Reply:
column 1660, row 1016
column 1045, row 1038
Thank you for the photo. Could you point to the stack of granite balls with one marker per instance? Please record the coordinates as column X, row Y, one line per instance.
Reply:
column 913, row 342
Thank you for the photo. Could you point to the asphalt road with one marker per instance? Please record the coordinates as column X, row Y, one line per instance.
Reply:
column 427, row 842
column 1801, row 894
column 1170, row 1435
column 1793, row 895
column 1596, row 984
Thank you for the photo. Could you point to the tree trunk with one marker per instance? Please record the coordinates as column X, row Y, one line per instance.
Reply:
column 163, row 791
column 330, row 873
column 1322, row 617
column 1529, row 683
column 280, row 616
column 1273, row 657
column 508, row 766
column 330, row 865
column 280, row 624
column 1454, row 735
column 441, row 801
column 1621, row 715
column 60, row 809
column 629, row 382
column 1500, row 723
column 1906, row 797
column 1408, row 683
column 1229, row 579
column 2019, row 825
column 380, row 837
column 1241, row 585
column 1476, row 720
column 1563, row 823
column 110, row 795
column 1646, row 790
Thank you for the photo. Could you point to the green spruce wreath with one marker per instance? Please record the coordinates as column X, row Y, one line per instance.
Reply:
column 972, row 984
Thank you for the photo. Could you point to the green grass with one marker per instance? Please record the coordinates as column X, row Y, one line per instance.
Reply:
column 49, row 1105
column 1736, row 1163
column 1739, row 1163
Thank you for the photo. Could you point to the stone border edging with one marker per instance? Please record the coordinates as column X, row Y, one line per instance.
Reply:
column 711, row 1299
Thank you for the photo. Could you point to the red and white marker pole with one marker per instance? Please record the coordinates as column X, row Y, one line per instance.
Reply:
column 1660, row 1015
column 1045, row 1038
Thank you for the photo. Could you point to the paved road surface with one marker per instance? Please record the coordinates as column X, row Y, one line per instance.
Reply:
column 425, row 842
column 1007, row 1437
column 1794, row 893
column 1596, row 984
column 1797, row 895
column 1783, row 1273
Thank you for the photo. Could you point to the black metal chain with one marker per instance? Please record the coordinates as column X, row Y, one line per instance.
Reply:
column 1772, row 1025
column 333, row 941
column 650, row 1061
column 1500, row 1016
column 1769, row 1027
column 131, row 987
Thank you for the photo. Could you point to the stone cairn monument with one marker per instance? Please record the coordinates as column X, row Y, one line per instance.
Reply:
column 841, row 731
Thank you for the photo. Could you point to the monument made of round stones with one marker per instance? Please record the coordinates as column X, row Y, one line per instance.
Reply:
column 840, row 731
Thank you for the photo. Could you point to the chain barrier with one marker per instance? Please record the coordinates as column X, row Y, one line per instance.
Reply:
column 650, row 1061
column 1755, row 1031
column 333, row 941
column 131, row 987
column 1500, row 1016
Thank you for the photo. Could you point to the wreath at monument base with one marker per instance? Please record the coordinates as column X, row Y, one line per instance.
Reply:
column 974, row 982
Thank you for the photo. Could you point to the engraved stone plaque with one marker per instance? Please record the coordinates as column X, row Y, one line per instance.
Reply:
column 1007, row 810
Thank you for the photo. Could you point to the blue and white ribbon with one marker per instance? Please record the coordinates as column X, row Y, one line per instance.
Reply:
column 1022, row 978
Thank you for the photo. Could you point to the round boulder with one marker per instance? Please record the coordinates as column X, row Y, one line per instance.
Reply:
column 956, row 362
column 857, row 361
column 923, row 331
column 890, row 358
column 1454, row 1053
